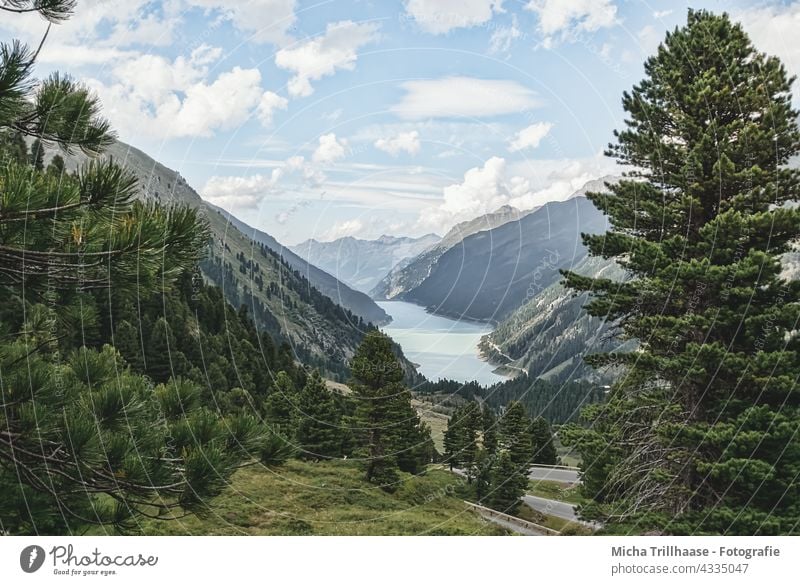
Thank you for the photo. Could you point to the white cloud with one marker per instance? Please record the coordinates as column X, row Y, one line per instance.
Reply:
column 659, row 14
column 530, row 137
column 562, row 19
column 239, row 192
column 342, row 229
column 269, row 103
column 453, row 97
column 649, row 39
column 524, row 185
column 403, row 142
column 442, row 16
column 330, row 149
column 483, row 190
column 268, row 21
column 773, row 30
column 154, row 97
column 504, row 36
column 322, row 56
column 98, row 32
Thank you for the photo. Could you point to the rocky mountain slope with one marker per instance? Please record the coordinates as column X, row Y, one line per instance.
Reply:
column 410, row 273
column 362, row 263
column 549, row 335
column 491, row 273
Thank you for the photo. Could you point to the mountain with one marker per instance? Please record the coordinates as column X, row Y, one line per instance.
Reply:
column 362, row 263
column 491, row 273
column 359, row 303
column 284, row 294
column 549, row 335
column 410, row 273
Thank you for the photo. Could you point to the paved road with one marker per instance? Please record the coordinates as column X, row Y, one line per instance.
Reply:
column 555, row 474
column 551, row 507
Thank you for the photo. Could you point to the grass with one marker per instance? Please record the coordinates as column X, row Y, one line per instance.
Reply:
column 331, row 498
column 436, row 420
column 555, row 490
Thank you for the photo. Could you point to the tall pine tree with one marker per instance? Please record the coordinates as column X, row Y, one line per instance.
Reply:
column 319, row 430
column 700, row 433
column 388, row 429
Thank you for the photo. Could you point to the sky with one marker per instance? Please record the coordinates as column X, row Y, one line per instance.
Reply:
column 363, row 118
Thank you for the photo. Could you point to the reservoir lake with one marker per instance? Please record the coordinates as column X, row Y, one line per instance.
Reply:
column 441, row 347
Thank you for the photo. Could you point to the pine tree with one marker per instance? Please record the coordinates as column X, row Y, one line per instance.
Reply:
column 37, row 155
column 281, row 406
column 126, row 340
column 56, row 165
column 386, row 425
column 461, row 438
column 544, row 450
column 696, row 436
column 490, row 431
column 319, row 429
column 507, row 485
column 515, row 436
column 83, row 439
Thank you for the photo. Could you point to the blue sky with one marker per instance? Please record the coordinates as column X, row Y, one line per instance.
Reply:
column 364, row 117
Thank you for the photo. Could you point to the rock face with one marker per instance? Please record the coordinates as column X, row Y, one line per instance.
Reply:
column 410, row 273
column 362, row 263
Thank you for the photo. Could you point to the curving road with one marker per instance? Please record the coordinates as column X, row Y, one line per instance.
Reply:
column 551, row 507
column 559, row 474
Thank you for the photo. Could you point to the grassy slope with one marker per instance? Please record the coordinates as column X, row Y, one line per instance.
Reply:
column 331, row 498
column 554, row 490
column 436, row 420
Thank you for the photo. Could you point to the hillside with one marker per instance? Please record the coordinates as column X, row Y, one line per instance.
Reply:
column 411, row 272
column 362, row 263
column 280, row 289
column 491, row 273
column 355, row 301
column 331, row 498
column 550, row 334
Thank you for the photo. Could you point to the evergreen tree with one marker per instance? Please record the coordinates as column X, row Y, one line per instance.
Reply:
column 281, row 404
column 388, row 430
column 484, row 463
column 544, row 450
column 56, row 165
column 319, row 429
column 696, row 436
column 88, row 440
column 515, row 436
column 507, row 485
column 126, row 340
column 490, row 431
column 162, row 356
column 461, row 438
column 37, row 155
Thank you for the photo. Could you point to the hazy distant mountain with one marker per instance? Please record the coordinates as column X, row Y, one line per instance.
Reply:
column 491, row 273
column 286, row 295
column 362, row 263
column 410, row 274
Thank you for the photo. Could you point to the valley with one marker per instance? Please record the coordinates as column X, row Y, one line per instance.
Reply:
column 441, row 347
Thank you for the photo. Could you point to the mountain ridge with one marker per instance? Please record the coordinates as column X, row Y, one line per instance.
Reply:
column 362, row 263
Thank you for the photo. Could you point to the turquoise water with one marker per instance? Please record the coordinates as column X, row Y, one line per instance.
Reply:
column 442, row 347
